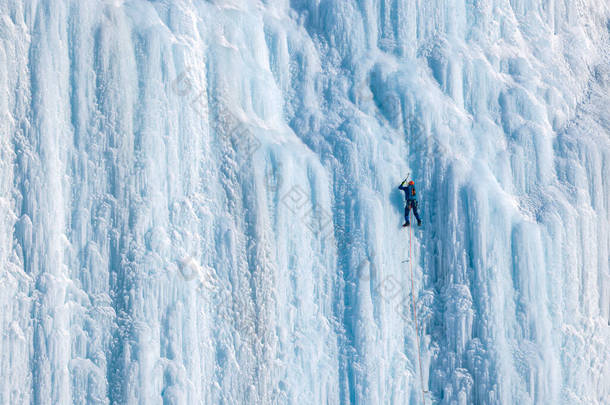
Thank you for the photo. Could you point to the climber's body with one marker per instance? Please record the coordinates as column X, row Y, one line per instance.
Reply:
column 411, row 202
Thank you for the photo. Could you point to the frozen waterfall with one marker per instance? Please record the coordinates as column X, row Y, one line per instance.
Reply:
column 199, row 201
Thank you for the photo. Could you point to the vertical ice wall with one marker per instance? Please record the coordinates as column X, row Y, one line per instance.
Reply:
column 199, row 201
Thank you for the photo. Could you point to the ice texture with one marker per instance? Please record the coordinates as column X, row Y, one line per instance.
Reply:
column 199, row 201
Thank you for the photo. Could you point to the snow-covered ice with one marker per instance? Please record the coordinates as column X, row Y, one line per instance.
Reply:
column 199, row 201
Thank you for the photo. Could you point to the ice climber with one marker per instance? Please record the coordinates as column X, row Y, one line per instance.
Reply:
column 411, row 201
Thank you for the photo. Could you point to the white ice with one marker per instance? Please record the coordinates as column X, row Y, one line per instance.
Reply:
column 199, row 201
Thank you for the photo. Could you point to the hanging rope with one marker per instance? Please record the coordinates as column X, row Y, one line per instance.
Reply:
column 421, row 374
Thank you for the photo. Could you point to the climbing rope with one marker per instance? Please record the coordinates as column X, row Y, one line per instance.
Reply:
column 421, row 374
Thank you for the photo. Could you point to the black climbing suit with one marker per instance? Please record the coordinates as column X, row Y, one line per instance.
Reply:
column 411, row 202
